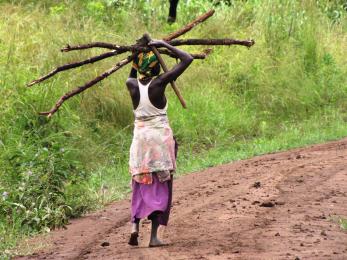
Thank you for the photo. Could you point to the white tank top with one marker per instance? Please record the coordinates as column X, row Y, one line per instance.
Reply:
column 145, row 107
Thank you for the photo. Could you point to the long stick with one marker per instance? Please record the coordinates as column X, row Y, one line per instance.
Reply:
column 121, row 49
column 162, row 63
column 105, row 55
column 74, row 65
column 105, row 45
column 88, row 85
column 178, row 42
column 189, row 26
column 170, row 37
column 227, row 41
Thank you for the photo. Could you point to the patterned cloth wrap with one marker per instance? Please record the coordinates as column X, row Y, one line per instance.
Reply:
column 152, row 150
column 144, row 62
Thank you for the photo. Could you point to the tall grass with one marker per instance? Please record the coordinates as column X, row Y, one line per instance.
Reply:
column 288, row 90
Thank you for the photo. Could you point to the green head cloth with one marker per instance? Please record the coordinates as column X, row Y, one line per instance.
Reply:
column 144, row 62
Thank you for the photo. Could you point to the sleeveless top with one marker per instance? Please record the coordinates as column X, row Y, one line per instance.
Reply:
column 145, row 107
column 153, row 148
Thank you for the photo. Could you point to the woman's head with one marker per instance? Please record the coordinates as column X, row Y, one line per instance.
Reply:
column 146, row 63
column 155, row 71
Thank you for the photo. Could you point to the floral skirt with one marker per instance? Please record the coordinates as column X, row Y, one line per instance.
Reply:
column 153, row 146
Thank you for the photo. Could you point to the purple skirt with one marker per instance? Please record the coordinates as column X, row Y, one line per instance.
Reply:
column 149, row 199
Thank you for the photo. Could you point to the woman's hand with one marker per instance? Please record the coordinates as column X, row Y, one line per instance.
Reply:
column 157, row 43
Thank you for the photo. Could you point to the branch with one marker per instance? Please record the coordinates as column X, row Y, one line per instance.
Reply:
column 170, row 37
column 87, row 85
column 189, row 26
column 178, row 42
column 74, row 65
column 97, row 58
column 105, row 45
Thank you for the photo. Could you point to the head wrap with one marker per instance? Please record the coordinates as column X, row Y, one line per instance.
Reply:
column 144, row 62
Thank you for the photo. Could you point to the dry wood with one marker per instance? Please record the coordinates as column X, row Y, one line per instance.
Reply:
column 178, row 42
column 189, row 26
column 105, row 45
column 136, row 48
column 74, row 65
column 119, row 65
column 118, row 49
column 105, row 55
column 88, row 85
column 168, row 38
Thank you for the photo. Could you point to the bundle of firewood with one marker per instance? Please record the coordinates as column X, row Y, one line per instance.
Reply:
column 139, row 46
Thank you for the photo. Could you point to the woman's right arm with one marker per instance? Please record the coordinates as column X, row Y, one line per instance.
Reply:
column 133, row 73
column 177, row 70
column 132, row 77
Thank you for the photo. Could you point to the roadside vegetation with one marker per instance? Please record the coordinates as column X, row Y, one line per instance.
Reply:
column 288, row 90
column 343, row 223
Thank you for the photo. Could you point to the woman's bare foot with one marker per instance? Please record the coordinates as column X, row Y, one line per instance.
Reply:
column 133, row 241
column 155, row 242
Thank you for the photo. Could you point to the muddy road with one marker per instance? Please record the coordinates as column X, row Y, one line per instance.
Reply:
column 277, row 206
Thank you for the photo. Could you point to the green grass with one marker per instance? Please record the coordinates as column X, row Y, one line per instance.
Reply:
column 288, row 90
column 343, row 223
column 339, row 220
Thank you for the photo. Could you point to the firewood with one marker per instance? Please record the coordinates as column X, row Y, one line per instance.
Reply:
column 170, row 37
column 140, row 48
column 87, row 85
column 228, row 42
column 135, row 49
column 189, row 26
column 105, row 55
column 74, row 65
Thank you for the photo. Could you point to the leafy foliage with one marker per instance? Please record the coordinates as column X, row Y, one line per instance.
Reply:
column 343, row 223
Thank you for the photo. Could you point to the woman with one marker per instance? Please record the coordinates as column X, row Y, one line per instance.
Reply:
column 153, row 149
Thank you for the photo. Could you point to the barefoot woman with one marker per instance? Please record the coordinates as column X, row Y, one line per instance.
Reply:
column 152, row 152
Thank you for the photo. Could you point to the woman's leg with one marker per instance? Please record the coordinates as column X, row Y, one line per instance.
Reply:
column 135, row 222
column 155, row 200
column 135, row 228
column 154, row 241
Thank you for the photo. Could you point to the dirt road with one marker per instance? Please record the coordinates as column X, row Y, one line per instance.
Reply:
column 277, row 206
